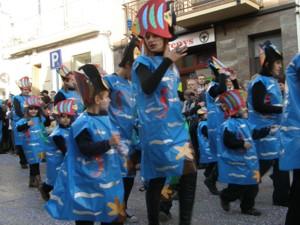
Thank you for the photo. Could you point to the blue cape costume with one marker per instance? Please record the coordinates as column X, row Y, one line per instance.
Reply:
column 290, row 125
column 238, row 167
column 163, row 132
column 88, row 188
column 267, row 148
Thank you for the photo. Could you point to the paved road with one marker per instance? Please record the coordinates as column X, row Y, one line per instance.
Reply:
column 20, row 205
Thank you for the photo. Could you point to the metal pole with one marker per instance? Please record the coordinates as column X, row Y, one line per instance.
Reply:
column 298, row 22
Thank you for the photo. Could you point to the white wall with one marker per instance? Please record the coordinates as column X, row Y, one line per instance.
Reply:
column 106, row 15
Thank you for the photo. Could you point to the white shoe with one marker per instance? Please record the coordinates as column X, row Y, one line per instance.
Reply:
column 130, row 218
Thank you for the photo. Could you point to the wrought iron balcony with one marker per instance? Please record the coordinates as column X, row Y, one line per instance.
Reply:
column 196, row 12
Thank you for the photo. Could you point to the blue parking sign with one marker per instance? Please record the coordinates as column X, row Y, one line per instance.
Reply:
column 55, row 59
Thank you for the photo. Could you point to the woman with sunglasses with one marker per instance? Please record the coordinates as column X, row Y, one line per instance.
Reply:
column 35, row 139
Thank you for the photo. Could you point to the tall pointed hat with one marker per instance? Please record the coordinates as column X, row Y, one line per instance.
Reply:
column 156, row 17
column 268, row 52
column 89, row 82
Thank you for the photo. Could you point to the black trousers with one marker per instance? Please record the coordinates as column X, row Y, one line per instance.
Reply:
column 187, row 186
column 128, row 184
column 246, row 193
column 211, row 171
column 20, row 152
column 281, row 180
column 80, row 222
column 293, row 213
column 193, row 125
column 34, row 169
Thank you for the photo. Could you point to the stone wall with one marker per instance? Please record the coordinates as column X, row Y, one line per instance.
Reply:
column 232, row 38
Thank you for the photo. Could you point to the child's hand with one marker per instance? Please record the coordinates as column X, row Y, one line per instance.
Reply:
column 30, row 123
column 233, row 75
column 247, row 145
column 115, row 139
column 176, row 53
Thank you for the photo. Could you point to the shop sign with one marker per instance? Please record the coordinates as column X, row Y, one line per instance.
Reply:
column 198, row 38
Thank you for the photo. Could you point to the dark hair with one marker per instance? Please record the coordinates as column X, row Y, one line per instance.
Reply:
column 39, row 114
column 44, row 92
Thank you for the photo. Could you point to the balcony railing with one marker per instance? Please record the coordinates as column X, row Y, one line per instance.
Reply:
column 195, row 12
column 183, row 7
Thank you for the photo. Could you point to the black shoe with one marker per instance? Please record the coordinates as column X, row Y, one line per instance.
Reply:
column 164, row 217
column 211, row 187
column 225, row 205
column 45, row 195
column 24, row 166
column 282, row 204
column 251, row 212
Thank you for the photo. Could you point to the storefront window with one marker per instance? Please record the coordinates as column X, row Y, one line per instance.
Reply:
column 81, row 59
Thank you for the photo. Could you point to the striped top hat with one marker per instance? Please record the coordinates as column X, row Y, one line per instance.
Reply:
column 33, row 101
column 24, row 83
column 156, row 17
column 67, row 107
column 232, row 101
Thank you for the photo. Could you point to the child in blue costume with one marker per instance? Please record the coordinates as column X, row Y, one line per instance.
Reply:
column 265, row 109
column 204, row 150
column 68, row 90
column 89, row 186
column 18, row 113
column 64, row 112
column 165, row 143
column 215, row 118
column 122, row 114
column 35, row 138
column 290, row 137
column 238, row 161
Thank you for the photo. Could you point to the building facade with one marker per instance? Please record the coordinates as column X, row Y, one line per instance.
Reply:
column 232, row 30
column 49, row 33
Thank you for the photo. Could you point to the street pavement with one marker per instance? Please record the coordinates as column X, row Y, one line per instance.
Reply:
column 20, row 205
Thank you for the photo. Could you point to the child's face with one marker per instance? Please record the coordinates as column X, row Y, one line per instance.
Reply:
column 103, row 100
column 64, row 120
column 25, row 91
column 33, row 111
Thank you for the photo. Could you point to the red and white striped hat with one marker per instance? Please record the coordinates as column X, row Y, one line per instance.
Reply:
column 24, row 83
column 67, row 107
column 33, row 101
